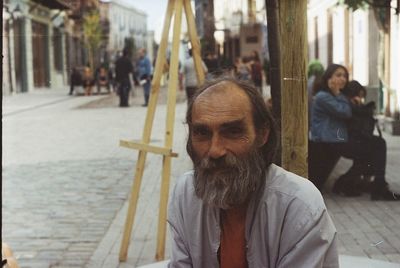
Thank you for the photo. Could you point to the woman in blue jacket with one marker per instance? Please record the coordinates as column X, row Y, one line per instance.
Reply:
column 331, row 111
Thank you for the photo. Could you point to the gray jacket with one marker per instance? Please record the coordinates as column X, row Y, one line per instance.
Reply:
column 287, row 225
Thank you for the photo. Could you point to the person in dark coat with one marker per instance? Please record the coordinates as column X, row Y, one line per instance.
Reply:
column 76, row 80
column 123, row 72
column 367, row 150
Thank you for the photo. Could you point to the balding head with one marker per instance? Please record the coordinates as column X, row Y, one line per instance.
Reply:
column 222, row 96
column 231, row 142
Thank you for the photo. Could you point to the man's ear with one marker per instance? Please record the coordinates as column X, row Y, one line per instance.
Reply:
column 263, row 136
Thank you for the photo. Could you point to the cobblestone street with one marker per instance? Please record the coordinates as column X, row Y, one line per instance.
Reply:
column 55, row 213
column 64, row 175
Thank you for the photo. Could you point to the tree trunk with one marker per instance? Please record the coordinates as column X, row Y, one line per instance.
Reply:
column 294, row 123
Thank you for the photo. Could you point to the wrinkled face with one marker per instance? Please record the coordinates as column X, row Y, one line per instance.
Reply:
column 227, row 157
column 222, row 123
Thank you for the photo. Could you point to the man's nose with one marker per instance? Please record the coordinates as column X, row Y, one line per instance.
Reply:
column 217, row 148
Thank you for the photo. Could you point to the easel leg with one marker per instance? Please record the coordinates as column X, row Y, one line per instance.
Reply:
column 146, row 135
column 130, row 217
column 194, row 41
column 169, row 133
column 162, row 218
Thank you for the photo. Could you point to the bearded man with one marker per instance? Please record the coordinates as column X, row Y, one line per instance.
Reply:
column 237, row 209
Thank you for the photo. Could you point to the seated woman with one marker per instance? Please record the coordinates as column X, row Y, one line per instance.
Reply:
column 88, row 81
column 102, row 79
column 331, row 112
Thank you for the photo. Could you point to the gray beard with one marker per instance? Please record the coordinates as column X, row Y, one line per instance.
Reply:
column 228, row 182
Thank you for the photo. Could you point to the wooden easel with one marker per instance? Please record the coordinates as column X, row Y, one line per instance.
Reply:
column 174, row 8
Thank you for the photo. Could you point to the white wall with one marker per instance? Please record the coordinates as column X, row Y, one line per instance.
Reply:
column 323, row 38
column 338, row 55
column 360, row 46
column 395, row 60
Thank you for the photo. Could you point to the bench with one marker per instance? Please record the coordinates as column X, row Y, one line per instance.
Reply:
column 321, row 161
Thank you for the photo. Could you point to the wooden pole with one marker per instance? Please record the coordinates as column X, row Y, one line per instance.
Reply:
column 194, row 41
column 171, row 102
column 272, row 8
column 146, row 135
column 293, row 33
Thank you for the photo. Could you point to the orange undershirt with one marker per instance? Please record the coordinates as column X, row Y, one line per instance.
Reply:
column 233, row 241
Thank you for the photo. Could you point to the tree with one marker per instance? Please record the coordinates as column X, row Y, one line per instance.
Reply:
column 92, row 34
column 287, row 35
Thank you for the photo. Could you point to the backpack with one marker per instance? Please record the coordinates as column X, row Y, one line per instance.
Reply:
column 362, row 124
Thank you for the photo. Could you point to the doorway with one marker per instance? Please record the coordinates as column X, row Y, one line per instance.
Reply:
column 40, row 58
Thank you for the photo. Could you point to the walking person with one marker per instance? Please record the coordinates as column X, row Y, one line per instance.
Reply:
column 123, row 77
column 256, row 70
column 75, row 80
column 190, row 76
column 236, row 208
column 144, row 70
column 242, row 69
column 212, row 64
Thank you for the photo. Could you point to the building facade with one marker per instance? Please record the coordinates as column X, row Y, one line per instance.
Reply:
column 358, row 40
column 240, row 28
column 33, row 45
column 124, row 21
column 42, row 41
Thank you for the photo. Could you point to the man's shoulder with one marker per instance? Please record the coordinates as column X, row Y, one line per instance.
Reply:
column 183, row 195
column 292, row 188
column 185, row 182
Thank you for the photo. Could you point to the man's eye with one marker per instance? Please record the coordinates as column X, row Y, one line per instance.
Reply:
column 234, row 132
column 200, row 132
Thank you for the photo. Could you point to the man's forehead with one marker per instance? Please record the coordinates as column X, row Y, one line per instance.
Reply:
column 221, row 103
column 225, row 90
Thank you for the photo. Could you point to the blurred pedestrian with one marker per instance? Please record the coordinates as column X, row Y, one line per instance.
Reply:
column 123, row 77
column 256, row 70
column 242, row 70
column 144, row 69
column 367, row 150
column 88, row 80
column 102, row 79
column 211, row 61
column 190, row 76
column 75, row 80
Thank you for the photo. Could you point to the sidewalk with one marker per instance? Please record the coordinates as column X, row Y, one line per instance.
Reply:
column 22, row 102
column 366, row 229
